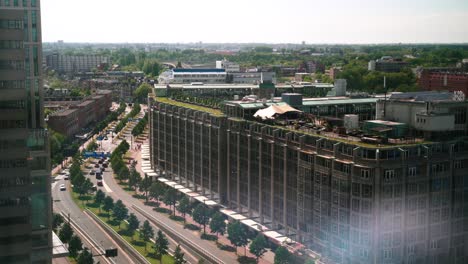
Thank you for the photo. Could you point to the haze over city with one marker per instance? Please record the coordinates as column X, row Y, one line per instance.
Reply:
column 263, row 21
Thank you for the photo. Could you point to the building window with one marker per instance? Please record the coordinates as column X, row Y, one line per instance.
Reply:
column 365, row 173
column 389, row 175
column 412, row 171
column 457, row 164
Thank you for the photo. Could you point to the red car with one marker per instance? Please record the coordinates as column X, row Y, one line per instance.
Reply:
column 99, row 183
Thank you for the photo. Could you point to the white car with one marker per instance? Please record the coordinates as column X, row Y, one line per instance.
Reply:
column 62, row 187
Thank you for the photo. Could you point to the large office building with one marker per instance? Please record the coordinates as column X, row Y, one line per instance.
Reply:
column 387, row 64
column 25, row 198
column 387, row 194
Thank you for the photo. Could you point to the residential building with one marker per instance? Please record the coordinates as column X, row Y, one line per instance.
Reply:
column 25, row 196
column 315, row 66
column 75, row 63
column 387, row 64
column 448, row 79
column 348, row 197
column 78, row 116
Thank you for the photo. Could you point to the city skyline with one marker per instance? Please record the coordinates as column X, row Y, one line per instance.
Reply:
column 372, row 22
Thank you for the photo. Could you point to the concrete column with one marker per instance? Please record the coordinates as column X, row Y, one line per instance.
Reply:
column 239, row 207
column 228, row 169
column 272, row 183
column 285, row 184
column 260, row 180
column 209, row 163
column 201, row 160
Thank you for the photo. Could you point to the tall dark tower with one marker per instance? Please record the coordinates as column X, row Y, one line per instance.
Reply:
column 25, row 198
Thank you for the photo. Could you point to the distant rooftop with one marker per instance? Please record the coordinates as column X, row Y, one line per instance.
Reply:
column 64, row 112
column 425, row 96
column 199, row 70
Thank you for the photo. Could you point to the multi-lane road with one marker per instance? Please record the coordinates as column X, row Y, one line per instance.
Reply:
column 64, row 203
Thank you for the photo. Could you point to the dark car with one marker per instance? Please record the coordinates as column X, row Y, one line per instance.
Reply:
column 92, row 172
column 104, row 165
column 98, row 175
column 97, row 165
column 99, row 183
column 100, row 161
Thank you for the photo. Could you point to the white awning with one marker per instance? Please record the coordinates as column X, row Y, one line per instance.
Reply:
column 272, row 110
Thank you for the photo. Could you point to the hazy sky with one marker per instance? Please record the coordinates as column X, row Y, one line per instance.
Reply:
column 267, row 21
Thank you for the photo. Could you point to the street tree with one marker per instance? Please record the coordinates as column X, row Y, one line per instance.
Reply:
column 99, row 198
column 282, row 256
column 237, row 234
column 184, row 206
column 57, row 221
column 108, row 205
column 144, row 186
column 66, row 233
column 74, row 246
column 156, row 190
column 133, row 225
column 258, row 246
column 85, row 257
column 123, row 173
column 161, row 246
column 179, row 256
column 217, row 224
column 200, row 215
column 120, row 212
column 146, row 232
column 134, row 179
column 141, row 93
column 170, row 198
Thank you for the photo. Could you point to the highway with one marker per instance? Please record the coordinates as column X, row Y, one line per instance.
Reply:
column 63, row 203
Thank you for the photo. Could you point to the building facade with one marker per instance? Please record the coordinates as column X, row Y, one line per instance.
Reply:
column 351, row 202
column 447, row 80
column 69, row 122
column 25, row 198
column 387, row 64
column 75, row 63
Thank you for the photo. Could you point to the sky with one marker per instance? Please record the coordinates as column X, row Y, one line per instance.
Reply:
column 260, row 21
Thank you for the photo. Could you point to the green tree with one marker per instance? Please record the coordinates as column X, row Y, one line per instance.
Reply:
column 84, row 187
column 200, row 215
column 85, row 257
column 310, row 261
column 99, row 198
column 75, row 246
column 161, row 246
column 146, row 232
column 108, row 205
column 57, row 220
column 144, row 186
column 123, row 173
column 134, row 179
column 217, row 224
column 141, row 93
column 156, row 190
column 120, row 212
column 179, row 256
column 170, row 198
column 282, row 256
column 237, row 234
column 92, row 146
column 184, row 206
column 258, row 246
column 66, row 233
column 133, row 224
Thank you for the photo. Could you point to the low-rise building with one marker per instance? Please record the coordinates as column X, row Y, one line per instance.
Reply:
column 387, row 64
column 65, row 122
column 209, row 76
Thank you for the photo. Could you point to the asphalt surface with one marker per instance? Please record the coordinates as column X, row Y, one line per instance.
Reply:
column 65, row 204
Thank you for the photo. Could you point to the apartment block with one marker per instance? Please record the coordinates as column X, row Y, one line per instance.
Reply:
column 75, row 63
column 346, row 198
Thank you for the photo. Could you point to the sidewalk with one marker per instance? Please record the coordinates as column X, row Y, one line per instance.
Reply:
column 267, row 258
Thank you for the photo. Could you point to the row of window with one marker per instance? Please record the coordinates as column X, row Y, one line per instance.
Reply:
column 11, row 44
column 13, row 202
column 14, row 163
column 15, row 65
column 12, row 144
column 11, row 84
column 15, row 3
column 8, row 124
column 12, row 104
column 11, row 24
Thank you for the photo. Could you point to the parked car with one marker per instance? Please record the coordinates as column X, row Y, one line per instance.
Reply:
column 104, row 165
column 97, row 165
column 66, row 177
column 100, row 161
column 99, row 183
column 92, row 172
column 94, row 188
column 62, row 187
